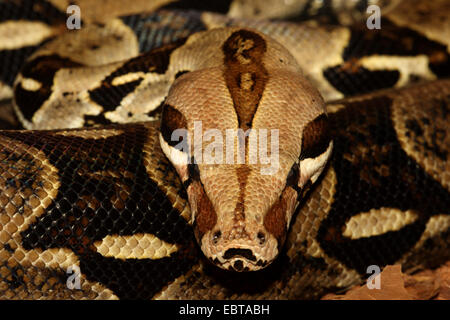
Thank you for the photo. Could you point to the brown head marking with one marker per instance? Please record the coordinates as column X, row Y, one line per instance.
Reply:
column 206, row 217
column 316, row 137
column 242, row 173
column 244, row 73
column 171, row 120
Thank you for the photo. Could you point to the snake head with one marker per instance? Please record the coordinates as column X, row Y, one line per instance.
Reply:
column 245, row 136
column 241, row 214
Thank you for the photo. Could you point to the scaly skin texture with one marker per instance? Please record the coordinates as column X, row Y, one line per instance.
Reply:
column 65, row 194
column 103, row 207
column 242, row 206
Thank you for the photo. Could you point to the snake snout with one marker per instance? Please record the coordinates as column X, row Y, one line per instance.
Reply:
column 249, row 248
column 241, row 260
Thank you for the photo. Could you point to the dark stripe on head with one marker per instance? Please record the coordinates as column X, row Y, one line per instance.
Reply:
column 316, row 138
column 275, row 219
column 242, row 176
column 206, row 217
column 171, row 120
column 43, row 70
column 245, row 73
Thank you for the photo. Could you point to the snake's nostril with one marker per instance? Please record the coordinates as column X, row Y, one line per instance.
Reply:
column 261, row 237
column 238, row 265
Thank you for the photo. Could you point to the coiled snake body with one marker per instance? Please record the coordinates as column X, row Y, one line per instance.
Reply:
column 362, row 179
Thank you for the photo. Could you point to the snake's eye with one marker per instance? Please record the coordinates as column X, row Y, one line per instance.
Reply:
column 261, row 237
column 216, row 236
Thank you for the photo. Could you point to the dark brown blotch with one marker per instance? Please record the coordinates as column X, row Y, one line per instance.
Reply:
column 275, row 219
column 242, row 174
column 206, row 217
column 316, row 138
column 110, row 96
column 244, row 43
column 244, row 51
column 43, row 70
column 293, row 177
column 171, row 120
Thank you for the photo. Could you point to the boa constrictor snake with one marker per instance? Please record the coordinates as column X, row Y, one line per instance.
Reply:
column 363, row 176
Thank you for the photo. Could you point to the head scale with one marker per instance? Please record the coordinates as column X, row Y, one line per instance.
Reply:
column 241, row 209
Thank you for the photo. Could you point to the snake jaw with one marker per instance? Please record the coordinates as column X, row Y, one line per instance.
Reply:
column 236, row 245
column 239, row 254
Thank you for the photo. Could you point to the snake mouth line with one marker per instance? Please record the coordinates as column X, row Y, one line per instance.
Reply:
column 246, row 253
column 242, row 265
column 240, row 260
